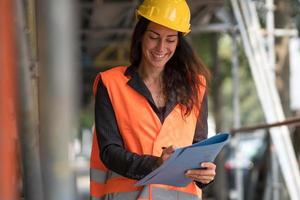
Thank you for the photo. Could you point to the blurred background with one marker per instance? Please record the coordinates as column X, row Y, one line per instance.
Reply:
column 51, row 51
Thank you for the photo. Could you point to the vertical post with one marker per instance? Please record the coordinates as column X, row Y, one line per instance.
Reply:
column 235, row 79
column 275, row 175
column 272, row 62
column 8, row 107
column 236, row 115
column 58, row 95
column 28, row 123
column 271, row 39
column 268, row 94
column 219, row 190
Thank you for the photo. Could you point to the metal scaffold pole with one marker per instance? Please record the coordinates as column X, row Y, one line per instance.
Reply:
column 239, row 186
column 271, row 38
column 28, row 123
column 58, row 94
column 250, row 30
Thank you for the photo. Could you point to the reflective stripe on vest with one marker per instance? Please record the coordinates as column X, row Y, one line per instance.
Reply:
column 100, row 176
column 156, row 193
column 119, row 196
column 164, row 194
column 142, row 133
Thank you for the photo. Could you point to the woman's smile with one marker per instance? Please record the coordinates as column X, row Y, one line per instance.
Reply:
column 158, row 45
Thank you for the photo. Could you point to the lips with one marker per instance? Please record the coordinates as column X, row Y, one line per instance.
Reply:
column 158, row 56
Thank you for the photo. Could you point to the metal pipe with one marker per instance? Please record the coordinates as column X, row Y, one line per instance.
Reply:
column 275, row 176
column 267, row 92
column 236, row 113
column 258, row 55
column 288, row 121
column 235, row 81
column 8, row 104
column 280, row 136
column 286, row 32
column 271, row 38
column 210, row 28
column 28, row 122
column 278, row 32
column 59, row 99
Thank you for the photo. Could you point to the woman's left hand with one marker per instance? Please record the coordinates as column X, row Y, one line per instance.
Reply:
column 205, row 174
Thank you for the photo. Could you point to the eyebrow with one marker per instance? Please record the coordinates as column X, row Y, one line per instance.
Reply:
column 159, row 34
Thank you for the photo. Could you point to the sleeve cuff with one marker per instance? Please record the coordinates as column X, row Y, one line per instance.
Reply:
column 202, row 185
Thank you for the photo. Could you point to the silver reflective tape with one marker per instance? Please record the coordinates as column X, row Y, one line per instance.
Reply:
column 96, row 198
column 144, row 193
column 123, row 195
column 98, row 175
column 119, row 196
column 165, row 194
column 184, row 195
column 112, row 174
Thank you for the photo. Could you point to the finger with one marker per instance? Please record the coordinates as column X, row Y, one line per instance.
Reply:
column 209, row 178
column 201, row 176
column 208, row 165
column 201, row 172
column 170, row 149
column 203, row 179
column 167, row 152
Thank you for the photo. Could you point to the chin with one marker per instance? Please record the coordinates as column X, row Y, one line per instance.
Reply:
column 159, row 65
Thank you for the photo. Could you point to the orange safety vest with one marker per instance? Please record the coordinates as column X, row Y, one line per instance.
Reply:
column 142, row 133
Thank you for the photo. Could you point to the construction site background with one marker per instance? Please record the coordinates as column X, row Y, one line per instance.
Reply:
column 51, row 51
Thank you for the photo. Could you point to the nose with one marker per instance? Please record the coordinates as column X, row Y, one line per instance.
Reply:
column 160, row 45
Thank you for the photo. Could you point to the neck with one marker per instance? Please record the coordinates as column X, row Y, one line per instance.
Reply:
column 150, row 75
column 153, row 79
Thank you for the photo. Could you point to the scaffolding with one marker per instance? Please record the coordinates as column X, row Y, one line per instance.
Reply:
column 52, row 177
column 261, row 58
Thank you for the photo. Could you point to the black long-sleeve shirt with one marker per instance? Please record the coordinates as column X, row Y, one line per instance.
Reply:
column 113, row 153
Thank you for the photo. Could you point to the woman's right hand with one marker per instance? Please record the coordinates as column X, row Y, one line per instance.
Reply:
column 167, row 152
column 165, row 155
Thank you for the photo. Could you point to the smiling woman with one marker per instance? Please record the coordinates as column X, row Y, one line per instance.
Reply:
column 158, row 101
column 158, row 46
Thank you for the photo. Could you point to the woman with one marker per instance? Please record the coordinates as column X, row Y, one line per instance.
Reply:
column 144, row 111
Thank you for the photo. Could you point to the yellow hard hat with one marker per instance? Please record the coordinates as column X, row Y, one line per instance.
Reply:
column 174, row 14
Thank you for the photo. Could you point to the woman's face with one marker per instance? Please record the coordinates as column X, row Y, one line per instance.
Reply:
column 158, row 45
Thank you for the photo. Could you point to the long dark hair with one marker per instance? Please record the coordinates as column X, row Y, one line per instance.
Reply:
column 181, row 74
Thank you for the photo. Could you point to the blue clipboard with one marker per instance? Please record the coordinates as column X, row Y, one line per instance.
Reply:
column 172, row 171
